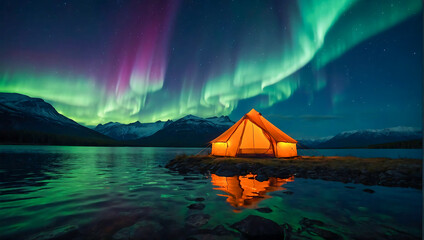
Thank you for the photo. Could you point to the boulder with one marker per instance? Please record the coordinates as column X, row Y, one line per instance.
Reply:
column 368, row 190
column 306, row 223
column 325, row 234
column 196, row 199
column 256, row 227
column 196, row 206
column 197, row 220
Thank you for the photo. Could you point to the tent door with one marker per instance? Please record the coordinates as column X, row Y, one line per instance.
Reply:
column 254, row 141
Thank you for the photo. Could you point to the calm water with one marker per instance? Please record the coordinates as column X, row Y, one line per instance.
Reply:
column 388, row 153
column 48, row 191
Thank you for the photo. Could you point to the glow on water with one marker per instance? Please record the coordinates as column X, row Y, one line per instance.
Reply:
column 100, row 190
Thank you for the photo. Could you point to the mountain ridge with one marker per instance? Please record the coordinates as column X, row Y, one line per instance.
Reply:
column 26, row 120
column 363, row 138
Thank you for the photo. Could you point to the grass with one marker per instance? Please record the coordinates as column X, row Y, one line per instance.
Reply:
column 307, row 162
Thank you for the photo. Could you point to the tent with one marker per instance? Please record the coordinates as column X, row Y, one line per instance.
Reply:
column 253, row 135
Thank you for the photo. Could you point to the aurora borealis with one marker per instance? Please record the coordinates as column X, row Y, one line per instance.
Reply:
column 317, row 67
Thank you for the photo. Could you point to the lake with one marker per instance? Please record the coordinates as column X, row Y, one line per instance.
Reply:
column 113, row 192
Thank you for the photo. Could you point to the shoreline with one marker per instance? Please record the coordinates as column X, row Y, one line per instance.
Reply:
column 368, row 171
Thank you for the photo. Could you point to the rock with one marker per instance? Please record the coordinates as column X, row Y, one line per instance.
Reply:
column 197, row 220
column 255, row 227
column 196, row 206
column 139, row 230
column 306, row 223
column 325, row 234
column 396, row 174
column 368, row 190
column 197, row 199
column 221, row 230
column 261, row 177
column 350, row 187
column 288, row 192
column 264, row 210
column 362, row 178
column 70, row 232
column 310, row 226
column 226, row 172
column 242, row 166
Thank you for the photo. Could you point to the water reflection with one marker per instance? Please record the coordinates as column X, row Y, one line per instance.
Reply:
column 104, row 193
column 246, row 191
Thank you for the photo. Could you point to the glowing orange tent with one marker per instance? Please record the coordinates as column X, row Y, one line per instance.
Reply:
column 254, row 135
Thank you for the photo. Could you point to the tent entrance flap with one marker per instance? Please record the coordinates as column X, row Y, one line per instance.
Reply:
column 254, row 135
column 254, row 141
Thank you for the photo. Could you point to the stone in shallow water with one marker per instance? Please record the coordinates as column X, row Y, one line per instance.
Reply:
column 288, row 192
column 306, row 222
column 264, row 210
column 226, row 172
column 218, row 232
column 256, row 227
column 261, row 177
column 350, row 187
column 197, row 220
column 196, row 206
column 68, row 232
column 310, row 226
column 195, row 199
column 325, row 234
column 368, row 190
column 139, row 230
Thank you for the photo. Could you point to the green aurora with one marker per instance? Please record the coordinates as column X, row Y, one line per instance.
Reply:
column 261, row 54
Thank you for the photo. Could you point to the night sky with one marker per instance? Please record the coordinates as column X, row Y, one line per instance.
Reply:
column 313, row 68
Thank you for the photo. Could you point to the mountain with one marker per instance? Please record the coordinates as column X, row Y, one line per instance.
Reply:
column 311, row 142
column 130, row 131
column 369, row 137
column 26, row 120
column 189, row 131
column 417, row 143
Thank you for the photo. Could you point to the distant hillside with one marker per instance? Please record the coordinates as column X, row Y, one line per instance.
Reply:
column 312, row 142
column 189, row 131
column 130, row 131
column 26, row 120
column 418, row 143
column 370, row 138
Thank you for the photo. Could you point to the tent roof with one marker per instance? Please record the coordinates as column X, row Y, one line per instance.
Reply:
column 257, row 118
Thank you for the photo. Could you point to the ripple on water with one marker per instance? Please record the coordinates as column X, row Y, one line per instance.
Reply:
column 73, row 192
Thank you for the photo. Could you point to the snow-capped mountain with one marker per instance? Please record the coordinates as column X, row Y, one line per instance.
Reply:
column 26, row 120
column 130, row 131
column 168, row 133
column 367, row 137
column 312, row 142
column 189, row 131
column 36, row 107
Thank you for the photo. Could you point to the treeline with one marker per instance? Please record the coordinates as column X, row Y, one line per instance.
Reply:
column 18, row 137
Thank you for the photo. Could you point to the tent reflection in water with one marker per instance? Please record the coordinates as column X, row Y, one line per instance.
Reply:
column 253, row 135
column 245, row 191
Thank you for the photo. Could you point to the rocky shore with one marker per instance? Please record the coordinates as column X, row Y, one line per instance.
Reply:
column 367, row 171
